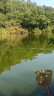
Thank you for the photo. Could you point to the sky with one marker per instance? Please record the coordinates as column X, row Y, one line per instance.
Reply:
column 44, row 2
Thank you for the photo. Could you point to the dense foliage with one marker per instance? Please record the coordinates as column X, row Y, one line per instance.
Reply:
column 26, row 14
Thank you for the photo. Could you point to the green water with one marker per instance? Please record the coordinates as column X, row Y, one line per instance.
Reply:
column 20, row 58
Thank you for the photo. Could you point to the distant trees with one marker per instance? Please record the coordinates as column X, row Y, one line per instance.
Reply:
column 28, row 0
column 43, row 22
column 29, row 21
column 2, row 20
column 1, row 7
column 29, row 14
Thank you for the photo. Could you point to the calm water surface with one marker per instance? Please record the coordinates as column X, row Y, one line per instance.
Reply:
column 20, row 58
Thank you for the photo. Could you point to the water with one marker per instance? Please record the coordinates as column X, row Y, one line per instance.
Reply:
column 20, row 57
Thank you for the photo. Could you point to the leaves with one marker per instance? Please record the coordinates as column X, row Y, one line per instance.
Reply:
column 30, row 15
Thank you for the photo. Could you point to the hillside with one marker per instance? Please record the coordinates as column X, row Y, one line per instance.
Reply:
column 21, row 16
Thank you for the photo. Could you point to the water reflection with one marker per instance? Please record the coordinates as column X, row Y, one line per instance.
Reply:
column 24, row 53
column 14, row 49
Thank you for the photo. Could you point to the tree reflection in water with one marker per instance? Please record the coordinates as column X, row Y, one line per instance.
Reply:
column 17, row 48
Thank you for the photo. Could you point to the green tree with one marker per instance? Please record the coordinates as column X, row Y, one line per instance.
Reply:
column 28, row 0
column 43, row 22
column 1, row 7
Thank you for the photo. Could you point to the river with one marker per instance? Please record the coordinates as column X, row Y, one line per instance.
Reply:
column 20, row 57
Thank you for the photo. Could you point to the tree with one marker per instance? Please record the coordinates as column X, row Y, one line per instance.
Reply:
column 43, row 22
column 28, row 0
column 1, row 7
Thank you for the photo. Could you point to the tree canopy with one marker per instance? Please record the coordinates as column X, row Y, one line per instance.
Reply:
column 28, row 13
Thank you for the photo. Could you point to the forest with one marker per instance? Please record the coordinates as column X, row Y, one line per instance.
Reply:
column 25, row 16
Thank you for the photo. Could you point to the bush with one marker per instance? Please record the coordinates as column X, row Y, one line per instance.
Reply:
column 37, row 31
column 2, row 20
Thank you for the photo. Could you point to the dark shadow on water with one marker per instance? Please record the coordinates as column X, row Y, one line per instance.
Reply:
column 37, row 92
column 1, row 94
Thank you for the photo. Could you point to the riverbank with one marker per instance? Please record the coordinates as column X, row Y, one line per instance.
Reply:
column 21, row 17
column 18, row 30
column 14, row 27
